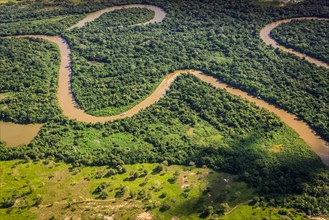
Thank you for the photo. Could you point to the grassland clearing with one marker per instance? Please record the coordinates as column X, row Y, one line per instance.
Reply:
column 48, row 189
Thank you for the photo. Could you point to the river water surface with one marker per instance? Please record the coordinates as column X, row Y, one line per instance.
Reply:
column 15, row 134
column 158, row 17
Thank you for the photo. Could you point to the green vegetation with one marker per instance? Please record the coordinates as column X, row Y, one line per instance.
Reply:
column 56, row 25
column 29, row 69
column 120, row 18
column 267, row 3
column 51, row 26
column 116, row 88
column 194, row 124
column 5, row 1
column 52, row 188
column 30, row 10
column 244, row 212
column 275, row 3
column 244, row 137
column 308, row 36
column 132, row 60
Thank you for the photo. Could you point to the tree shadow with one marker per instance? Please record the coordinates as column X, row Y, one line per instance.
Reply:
column 290, row 178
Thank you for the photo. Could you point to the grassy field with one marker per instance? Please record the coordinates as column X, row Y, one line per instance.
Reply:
column 16, row 1
column 264, row 3
column 244, row 212
column 13, row 1
column 273, row 3
column 3, row 1
column 49, row 190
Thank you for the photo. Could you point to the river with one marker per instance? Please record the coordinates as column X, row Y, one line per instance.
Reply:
column 265, row 36
column 15, row 134
column 72, row 111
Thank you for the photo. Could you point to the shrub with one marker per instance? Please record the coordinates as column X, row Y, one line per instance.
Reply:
column 164, row 207
column 157, row 169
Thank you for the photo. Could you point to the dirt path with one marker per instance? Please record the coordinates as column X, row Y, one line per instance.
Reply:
column 72, row 110
column 265, row 36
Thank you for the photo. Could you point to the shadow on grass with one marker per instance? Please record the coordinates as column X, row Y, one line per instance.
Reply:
column 291, row 178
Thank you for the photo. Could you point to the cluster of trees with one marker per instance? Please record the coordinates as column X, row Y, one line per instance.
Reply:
column 53, row 26
column 307, row 36
column 124, row 17
column 57, row 24
column 38, row 10
column 116, row 85
column 29, row 74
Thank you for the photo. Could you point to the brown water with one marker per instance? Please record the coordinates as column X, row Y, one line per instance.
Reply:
column 265, row 36
column 14, row 134
column 159, row 14
column 72, row 110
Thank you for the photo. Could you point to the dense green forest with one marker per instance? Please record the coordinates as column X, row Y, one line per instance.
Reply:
column 308, row 36
column 194, row 124
column 51, row 26
column 115, row 87
column 29, row 76
column 120, row 18
column 39, row 10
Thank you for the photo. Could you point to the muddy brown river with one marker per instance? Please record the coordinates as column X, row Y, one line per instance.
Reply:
column 15, row 134
column 72, row 111
column 265, row 36
column 158, row 17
